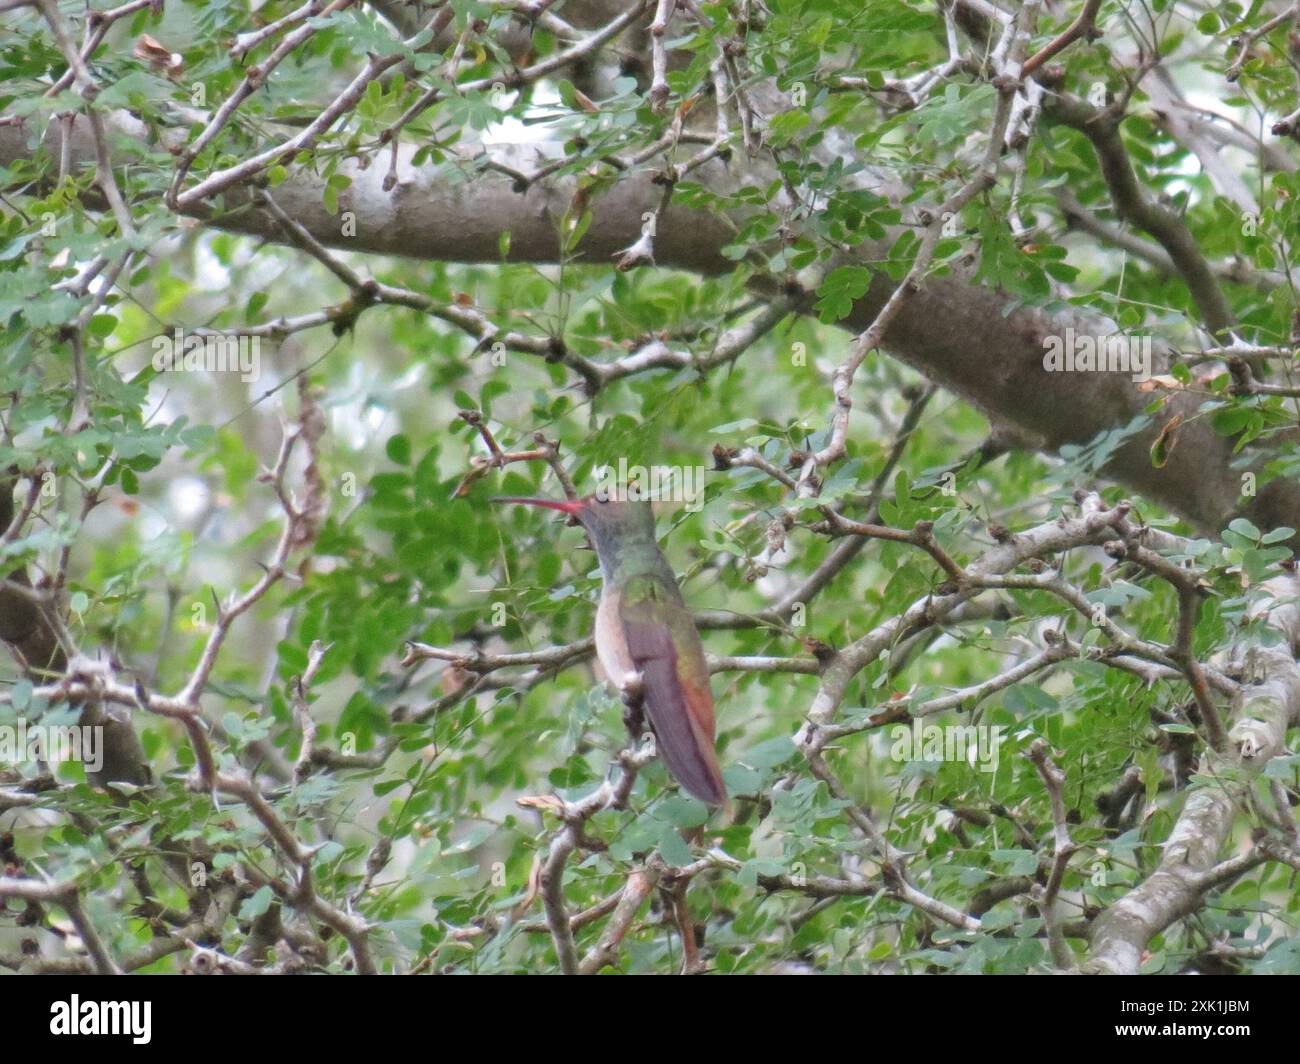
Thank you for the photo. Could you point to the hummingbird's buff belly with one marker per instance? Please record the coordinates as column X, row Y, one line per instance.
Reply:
column 611, row 644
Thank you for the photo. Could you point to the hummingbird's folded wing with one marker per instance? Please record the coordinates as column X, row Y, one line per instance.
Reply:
column 665, row 648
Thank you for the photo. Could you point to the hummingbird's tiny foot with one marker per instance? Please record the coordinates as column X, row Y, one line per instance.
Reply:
column 634, row 720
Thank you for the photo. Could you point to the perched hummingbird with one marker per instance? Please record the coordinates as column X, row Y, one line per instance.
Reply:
column 646, row 640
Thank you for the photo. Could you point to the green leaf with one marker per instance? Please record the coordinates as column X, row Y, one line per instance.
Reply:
column 256, row 904
column 1244, row 527
column 839, row 289
column 102, row 325
column 672, row 848
column 398, row 449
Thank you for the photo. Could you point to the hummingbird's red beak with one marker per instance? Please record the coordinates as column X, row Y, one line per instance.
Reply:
column 568, row 506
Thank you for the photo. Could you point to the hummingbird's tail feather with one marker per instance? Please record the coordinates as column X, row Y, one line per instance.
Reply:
column 686, row 750
column 675, row 687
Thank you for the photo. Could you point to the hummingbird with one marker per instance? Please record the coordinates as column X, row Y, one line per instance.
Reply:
column 646, row 638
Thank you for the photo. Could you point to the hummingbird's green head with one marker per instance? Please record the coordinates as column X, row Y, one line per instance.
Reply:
column 611, row 523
